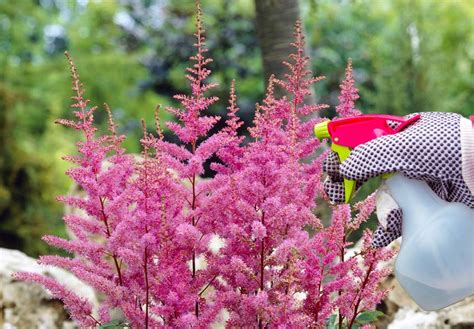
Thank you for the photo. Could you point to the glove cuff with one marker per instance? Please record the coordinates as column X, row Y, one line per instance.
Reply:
column 467, row 152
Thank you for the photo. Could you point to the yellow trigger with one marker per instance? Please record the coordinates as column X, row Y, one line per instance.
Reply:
column 349, row 185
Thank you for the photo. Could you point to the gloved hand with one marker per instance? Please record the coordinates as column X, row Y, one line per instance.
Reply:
column 438, row 149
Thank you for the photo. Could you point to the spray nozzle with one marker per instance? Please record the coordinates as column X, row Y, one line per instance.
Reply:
column 321, row 130
column 348, row 133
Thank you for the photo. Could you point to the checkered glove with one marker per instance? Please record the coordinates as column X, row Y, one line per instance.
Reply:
column 428, row 150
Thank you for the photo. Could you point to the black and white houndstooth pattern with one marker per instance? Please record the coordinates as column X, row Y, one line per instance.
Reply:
column 428, row 150
column 383, row 236
column 334, row 183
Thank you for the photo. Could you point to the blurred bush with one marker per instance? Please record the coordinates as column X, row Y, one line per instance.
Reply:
column 408, row 56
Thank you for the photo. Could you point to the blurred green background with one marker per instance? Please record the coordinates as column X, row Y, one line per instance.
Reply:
column 408, row 56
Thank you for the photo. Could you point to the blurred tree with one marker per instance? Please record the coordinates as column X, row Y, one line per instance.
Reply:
column 273, row 19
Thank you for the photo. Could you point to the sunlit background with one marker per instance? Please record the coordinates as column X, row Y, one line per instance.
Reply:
column 411, row 55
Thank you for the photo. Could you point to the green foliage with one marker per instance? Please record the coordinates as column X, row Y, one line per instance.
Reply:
column 408, row 56
column 427, row 46
column 35, row 89
column 368, row 317
column 27, row 208
column 115, row 324
column 331, row 322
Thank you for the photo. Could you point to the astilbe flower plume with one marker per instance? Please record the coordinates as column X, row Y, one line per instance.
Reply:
column 103, row 171
column 192, row 232
column 264, row 203
column 143, row 231
column 346, row 283
column 349, row 94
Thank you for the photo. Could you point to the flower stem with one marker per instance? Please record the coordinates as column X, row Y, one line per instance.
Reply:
column 147, row 288
column 342, row 251
column 262, row 265
column 107, row 228
column 95, row 320
column 359, row 295
column 193, row 206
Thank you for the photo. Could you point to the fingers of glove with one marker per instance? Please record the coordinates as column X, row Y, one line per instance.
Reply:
column 331, row 167
column 383, row 236
column 373, row 158
column 434, row 146
column 335, row 190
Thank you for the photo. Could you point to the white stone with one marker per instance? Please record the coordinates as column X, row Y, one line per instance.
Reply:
column 409, row 318
column 28, row 305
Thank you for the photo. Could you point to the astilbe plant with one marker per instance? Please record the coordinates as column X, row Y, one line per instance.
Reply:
column 143, row 236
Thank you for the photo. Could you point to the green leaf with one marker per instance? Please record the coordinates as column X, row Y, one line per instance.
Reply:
column 369, row 316
column 331, row 322
column 114, row 324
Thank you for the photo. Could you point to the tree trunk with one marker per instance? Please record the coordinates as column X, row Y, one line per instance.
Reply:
column 275, row 20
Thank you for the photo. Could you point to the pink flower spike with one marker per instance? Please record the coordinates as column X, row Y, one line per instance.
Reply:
column 349, row 94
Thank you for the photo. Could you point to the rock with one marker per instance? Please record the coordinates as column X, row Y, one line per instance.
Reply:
column 27, row 305
column 409, row 318
column 458, row 316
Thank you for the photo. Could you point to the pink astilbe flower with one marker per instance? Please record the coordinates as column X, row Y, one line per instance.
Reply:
column 231, row 151
column 170, row 203
column 192, row 230
column 103, row 171
column 135, row 211
column 326, row 260
column 195, row 124
column 349, row 94
column 365, row 289
column 103, row 258
column 79, row 308
column 365, row 207
column 346, row 283
column 142, row 234
column 233, row 122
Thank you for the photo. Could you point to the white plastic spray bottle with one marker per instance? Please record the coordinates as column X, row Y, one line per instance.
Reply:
column 435, row 264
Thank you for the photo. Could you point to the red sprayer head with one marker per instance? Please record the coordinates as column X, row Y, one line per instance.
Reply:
column 347, row 133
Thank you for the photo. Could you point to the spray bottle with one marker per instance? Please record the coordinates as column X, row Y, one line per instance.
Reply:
column 435, row 264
